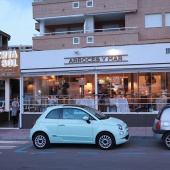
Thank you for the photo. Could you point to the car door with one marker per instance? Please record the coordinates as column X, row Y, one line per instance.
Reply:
column 50, row 124
column 72, row 128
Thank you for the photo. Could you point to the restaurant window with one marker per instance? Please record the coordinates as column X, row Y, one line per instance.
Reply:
column 58, row 89
column 116, row 92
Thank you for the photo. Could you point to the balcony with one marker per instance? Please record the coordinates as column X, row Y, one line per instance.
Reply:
column 100, row 37
column 57, row 8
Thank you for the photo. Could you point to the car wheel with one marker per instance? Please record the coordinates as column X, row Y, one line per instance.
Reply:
column 40, row 140
column 105, row 141
column 167, row 140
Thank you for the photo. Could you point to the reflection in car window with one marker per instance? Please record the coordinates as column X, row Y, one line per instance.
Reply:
column 96, row 113
column 73, row 113
column 54, row 114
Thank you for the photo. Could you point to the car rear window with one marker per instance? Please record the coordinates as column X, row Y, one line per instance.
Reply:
column 161, row 111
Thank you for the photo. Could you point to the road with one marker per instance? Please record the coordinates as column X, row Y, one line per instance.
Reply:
column 140, row 153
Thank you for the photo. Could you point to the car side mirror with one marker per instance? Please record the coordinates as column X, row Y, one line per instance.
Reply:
column 87, row 119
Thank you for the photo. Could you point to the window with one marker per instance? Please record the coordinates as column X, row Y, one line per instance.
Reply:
column 76, row 40
column 167, row 19
column 90, row 39
column 54, row 114
column 89, row 3
column 153, row 20
column 71, row 113
column 75, row 5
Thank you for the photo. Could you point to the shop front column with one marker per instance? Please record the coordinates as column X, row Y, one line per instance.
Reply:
column 7, row 94
column 96, row 92
column 35, row 86
column 21, row 100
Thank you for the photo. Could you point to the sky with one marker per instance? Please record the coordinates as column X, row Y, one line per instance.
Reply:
column 16, row 19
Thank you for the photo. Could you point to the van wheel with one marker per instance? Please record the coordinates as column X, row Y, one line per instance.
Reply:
column 105, row 141
column 167, row 140
column 40, row 140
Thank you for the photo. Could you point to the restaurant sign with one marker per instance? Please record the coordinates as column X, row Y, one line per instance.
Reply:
column 10, row 63
column 95, row 59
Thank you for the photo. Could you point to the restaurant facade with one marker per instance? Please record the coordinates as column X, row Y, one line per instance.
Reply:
column 110, row 55
column 130, row 82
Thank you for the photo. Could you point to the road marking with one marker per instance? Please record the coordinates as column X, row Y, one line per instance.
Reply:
column 7, row 147
column 168, row 153
column 47, row 152
column 16, row 142
column 22, row 149
column 132, row 153
column 87, row 153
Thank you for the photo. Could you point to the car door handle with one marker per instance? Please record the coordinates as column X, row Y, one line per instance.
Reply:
column 61, row 125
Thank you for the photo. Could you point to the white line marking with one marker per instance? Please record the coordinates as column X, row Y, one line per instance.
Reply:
column 16, row 142
column 7, row 147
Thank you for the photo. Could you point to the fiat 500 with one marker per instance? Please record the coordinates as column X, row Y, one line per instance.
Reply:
column 78, row 124
column 161, row 126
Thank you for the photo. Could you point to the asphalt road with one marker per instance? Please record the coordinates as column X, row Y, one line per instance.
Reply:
column 140, row 153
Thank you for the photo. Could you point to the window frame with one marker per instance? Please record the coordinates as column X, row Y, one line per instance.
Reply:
column 88, row 2
column 167, row 16
column 75, row 3
column 149, row 17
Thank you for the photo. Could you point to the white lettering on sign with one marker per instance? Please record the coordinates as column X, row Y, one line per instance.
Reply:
column 8, row 58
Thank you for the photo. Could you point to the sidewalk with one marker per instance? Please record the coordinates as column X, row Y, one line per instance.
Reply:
column 23, row 134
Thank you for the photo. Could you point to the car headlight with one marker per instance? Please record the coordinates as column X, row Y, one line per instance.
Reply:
column 119, row 127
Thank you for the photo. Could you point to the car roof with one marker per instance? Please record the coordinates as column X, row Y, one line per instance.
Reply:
column 67, row 105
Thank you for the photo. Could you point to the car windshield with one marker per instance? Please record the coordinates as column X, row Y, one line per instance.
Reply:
column 96, row 113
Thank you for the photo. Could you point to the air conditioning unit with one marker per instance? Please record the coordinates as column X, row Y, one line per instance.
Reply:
column 76, row 40
column 75, row 5
column 90, row 39
column 89, row 3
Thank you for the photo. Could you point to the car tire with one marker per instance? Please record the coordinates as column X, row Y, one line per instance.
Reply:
column 167, row 140
column 105, row 141
column 41, row 140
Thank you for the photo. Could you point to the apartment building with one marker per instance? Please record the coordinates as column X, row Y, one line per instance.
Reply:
column 85, row 49
column 22, row 48
column 4, row 38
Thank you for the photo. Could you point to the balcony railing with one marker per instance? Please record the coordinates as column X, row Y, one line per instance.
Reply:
column 86, row 31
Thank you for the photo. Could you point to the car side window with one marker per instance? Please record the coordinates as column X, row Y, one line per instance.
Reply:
column 74, row 113
column 53, row 114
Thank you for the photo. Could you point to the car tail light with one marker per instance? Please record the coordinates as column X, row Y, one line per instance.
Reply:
column 158, row 125
column 33, row 124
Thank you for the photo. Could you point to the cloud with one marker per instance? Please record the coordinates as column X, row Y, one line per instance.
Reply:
column 16, row 20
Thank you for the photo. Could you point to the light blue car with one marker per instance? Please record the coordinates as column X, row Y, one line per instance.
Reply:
column 78, row 124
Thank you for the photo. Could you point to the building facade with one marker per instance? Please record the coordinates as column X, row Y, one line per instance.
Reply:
column 4, row 38
column 111, row 55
